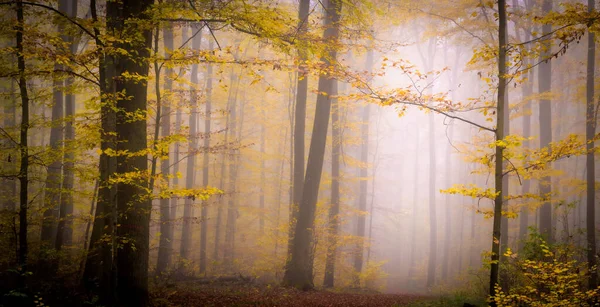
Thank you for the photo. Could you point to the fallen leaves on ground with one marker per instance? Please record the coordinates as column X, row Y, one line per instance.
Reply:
column 191, row 294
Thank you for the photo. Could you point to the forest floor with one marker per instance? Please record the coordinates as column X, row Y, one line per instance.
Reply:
column 192, row 293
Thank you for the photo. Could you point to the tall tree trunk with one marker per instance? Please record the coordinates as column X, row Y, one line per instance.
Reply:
column 545, row 117
column 176, row 156
column 99, row 267
column 498, row 171
column 590, row 132
column 10, row 112
column 54, row 176
column 186, row 232
column 299, row 123
column 334, row 210
column 64, row 234
column 299, row 267
column 133, row 203
column 23, row 145
column 362, row 200
column 232, row 213
column 165, row 244
column 524, row 212
column 205, row 162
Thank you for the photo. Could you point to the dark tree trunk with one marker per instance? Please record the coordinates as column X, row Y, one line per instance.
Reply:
column 98, row 273
column 299, row 123
column 133, row 204
column 545, row 119
column 498, row 171
column 334, row 210
column 299, row 267
column 23, row 145
column 54, row 176
column 590, row 132
column 64, row 234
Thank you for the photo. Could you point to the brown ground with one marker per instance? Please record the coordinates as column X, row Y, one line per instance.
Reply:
column 197, row 294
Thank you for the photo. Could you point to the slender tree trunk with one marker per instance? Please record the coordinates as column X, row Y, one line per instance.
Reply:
column 524, row 214
column 232, row 213
column 176, row 157
column 334, row 210
column 10, row 112
column 23, row 146
column 54, row 176
column 362, row 200
column 133, row 204
column 64, row 234
column 545, row 117
column 299, row 123
column 205, row 163
column 590, row 132
column 299, row 269
column 165, row 244
column 186, row 232
column 501, row 103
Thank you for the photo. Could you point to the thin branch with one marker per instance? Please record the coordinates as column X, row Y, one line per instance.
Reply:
column 88, row 32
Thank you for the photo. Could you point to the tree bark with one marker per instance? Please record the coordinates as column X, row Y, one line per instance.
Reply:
column 497, row 226
column 299, row 123
column 590, row 132
column 64, row 234
column 165, row 244
column 23, row 145
column 545, row 119
column 299, row 267
column 55, row 169
column 186, row 232
column 99, row 267
column 334, row 210
column 205, row 163
column 133, row 203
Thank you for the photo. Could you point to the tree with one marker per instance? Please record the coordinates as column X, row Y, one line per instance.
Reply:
column 299, row 122
column 23, row 147
column 545, row 118
column 205, row 163
column 298, row 271
column 165, row 245
column 186, row 232
column 133, row 202
column 498, row 171
column 64, row 235
column 334, row 210
column 590, row 132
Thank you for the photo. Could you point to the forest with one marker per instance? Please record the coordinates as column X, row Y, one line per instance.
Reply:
column 268, row 153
